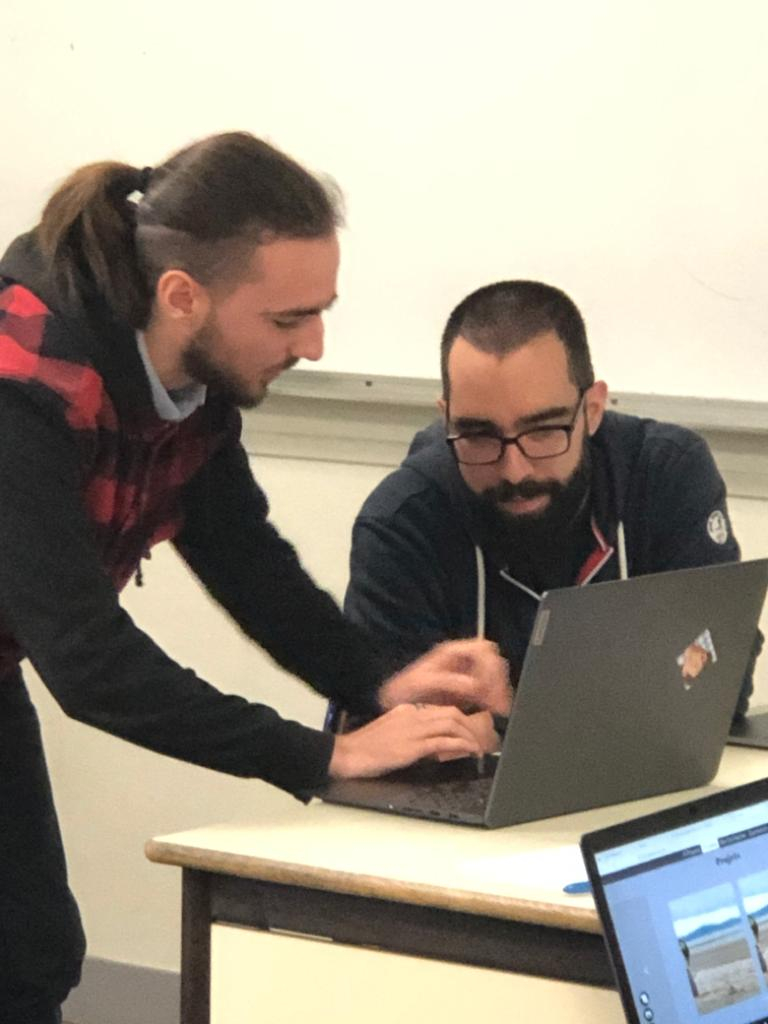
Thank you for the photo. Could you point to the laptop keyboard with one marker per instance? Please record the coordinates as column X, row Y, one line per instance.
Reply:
column 453, row 790
column 450, row 799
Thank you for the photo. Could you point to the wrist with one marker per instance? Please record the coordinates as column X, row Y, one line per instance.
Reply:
column 339, row 767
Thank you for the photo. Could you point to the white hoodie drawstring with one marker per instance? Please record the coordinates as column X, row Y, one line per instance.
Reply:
column 480, row 561
column 623, row 572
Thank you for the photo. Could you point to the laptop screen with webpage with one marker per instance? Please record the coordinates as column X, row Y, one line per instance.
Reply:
column 683, row 897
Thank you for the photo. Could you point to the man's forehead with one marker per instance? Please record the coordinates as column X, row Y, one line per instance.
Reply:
column 531, row 380
column 543, row 354
column 288, row 275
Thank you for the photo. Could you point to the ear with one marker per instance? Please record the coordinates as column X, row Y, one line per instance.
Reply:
column 181, row 299
column 442, row 405
column 594, row 402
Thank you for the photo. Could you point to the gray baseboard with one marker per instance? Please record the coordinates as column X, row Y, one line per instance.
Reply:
column 118, row 993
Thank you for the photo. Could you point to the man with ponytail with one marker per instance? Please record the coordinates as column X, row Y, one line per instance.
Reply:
column 135, row 319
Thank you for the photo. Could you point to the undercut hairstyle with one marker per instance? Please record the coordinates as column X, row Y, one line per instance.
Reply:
column 503, row 317
column 115, row 229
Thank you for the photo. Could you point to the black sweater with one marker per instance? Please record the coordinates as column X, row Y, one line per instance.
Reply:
column 90, row 479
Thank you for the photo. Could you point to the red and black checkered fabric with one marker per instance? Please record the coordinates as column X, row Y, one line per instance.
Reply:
column 133, row 471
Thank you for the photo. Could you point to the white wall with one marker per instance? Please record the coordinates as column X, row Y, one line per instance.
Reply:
column 112, row 797
column 612, row 147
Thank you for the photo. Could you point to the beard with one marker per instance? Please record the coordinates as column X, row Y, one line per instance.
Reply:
column 199, row 363
column 568, row 500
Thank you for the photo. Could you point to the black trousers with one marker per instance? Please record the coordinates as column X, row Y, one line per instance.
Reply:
column 41, row 938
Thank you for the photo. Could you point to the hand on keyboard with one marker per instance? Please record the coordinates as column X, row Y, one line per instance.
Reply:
column 408, row 733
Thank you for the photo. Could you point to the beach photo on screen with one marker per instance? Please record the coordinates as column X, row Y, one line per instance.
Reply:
column 754, row 896
column 714, row 948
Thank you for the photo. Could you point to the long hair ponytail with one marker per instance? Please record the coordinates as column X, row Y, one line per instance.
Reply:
column 88, row 232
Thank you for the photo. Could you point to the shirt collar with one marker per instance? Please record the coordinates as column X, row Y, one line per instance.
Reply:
column 169, row 405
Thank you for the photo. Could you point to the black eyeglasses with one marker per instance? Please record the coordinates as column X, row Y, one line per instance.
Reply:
column 483, row 449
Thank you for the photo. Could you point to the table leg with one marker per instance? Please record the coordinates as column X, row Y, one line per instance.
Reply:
column 195, row 947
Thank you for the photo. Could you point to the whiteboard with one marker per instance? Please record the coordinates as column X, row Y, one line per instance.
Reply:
column 616, row 149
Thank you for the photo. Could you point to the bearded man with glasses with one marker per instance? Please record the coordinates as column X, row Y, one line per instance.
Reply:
column 537, row 487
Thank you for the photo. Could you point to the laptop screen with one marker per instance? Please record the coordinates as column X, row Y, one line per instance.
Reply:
column 685, row 911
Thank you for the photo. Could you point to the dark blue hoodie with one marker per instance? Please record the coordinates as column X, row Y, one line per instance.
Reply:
column 427, row 565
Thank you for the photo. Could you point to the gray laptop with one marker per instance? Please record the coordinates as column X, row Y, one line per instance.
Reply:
column 627, row 690
column 683, row 899
column 752, row 730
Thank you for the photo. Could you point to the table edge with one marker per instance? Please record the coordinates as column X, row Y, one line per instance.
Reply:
column 576, row 918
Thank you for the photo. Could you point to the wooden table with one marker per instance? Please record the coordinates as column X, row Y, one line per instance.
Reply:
column 282, row 912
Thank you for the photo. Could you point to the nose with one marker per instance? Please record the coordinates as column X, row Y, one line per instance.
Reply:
column 307, row 342
column 513, row 465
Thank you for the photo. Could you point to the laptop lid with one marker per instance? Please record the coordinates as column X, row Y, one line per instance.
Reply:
column 628, row 690
column 683, row 899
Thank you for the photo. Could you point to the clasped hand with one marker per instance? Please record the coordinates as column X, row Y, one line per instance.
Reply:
column 439, row 706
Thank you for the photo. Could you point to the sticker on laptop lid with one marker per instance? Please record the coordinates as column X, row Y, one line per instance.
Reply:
column 695, row 658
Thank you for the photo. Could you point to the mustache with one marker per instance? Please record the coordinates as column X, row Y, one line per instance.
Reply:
column 525, row 490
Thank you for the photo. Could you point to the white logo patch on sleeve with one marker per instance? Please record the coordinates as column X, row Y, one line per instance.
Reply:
column 717, row 527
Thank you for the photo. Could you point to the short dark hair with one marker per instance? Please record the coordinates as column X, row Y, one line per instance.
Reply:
column 502, row 317
column 203, row 211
